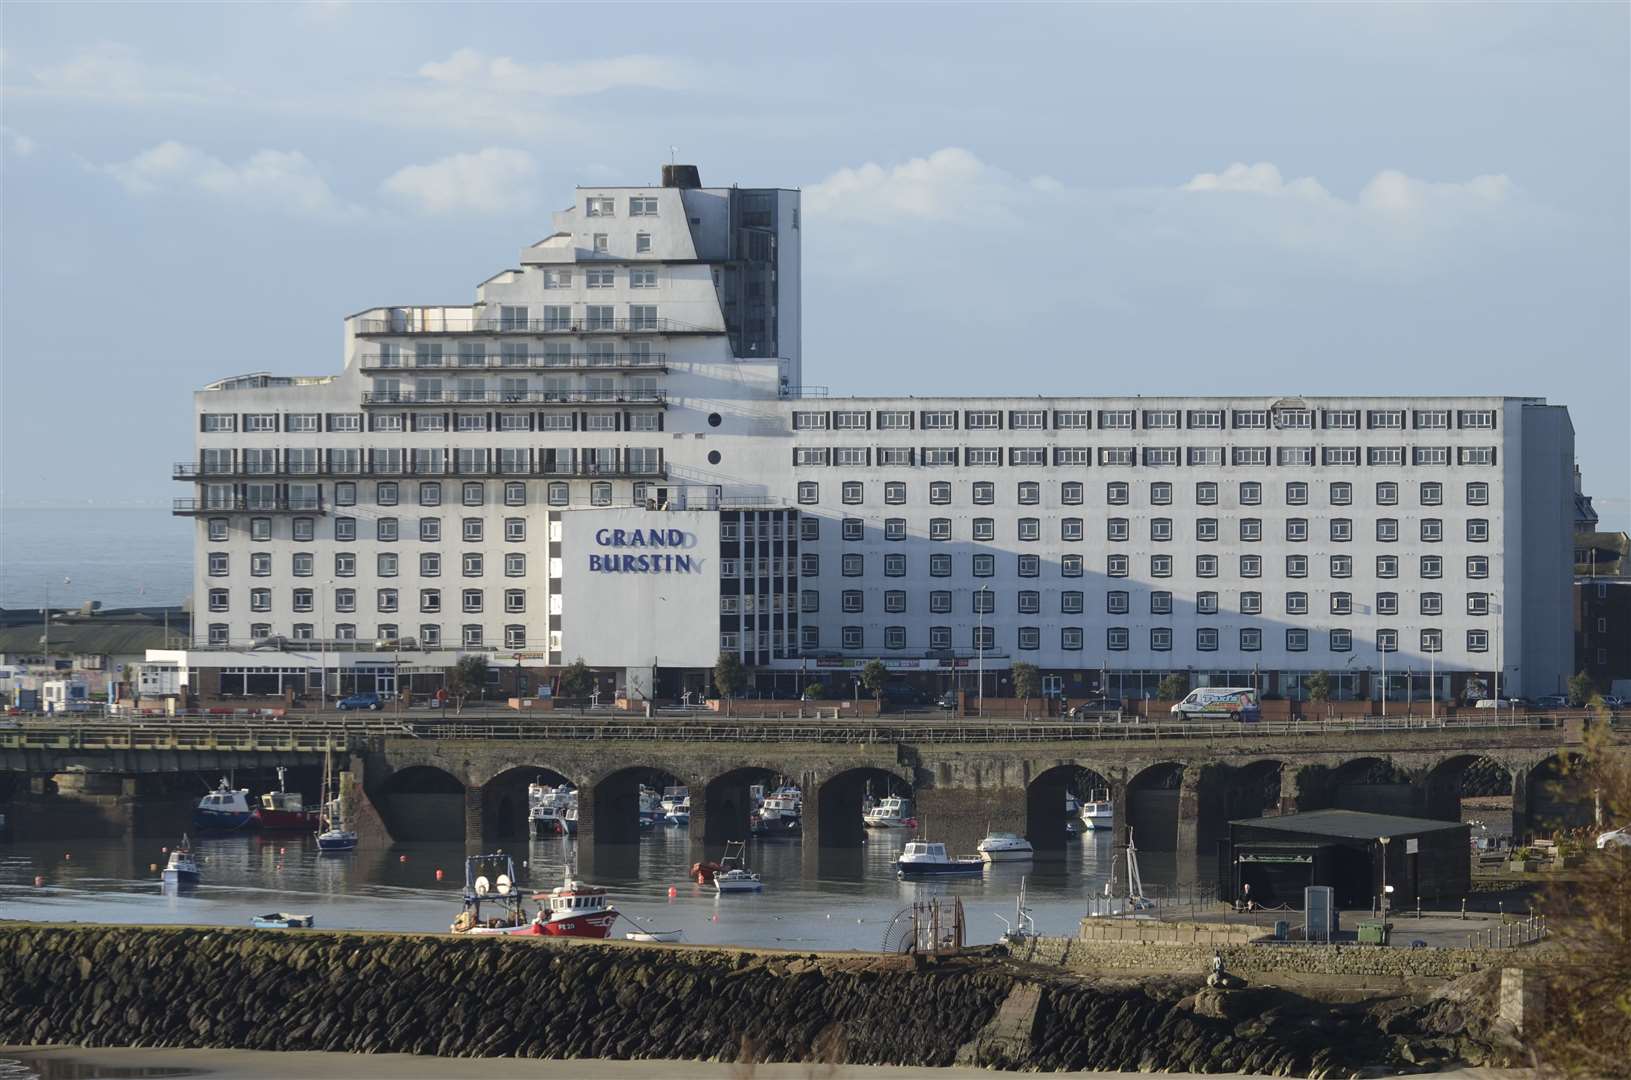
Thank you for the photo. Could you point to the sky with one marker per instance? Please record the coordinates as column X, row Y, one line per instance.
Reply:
column 1259, row 199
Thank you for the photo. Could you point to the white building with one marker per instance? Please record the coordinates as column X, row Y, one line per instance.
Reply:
column 611, row 455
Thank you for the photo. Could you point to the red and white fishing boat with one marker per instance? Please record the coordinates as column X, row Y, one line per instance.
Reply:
column 573, row 909
column 284, row 810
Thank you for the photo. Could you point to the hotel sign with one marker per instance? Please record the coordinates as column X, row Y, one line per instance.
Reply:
column 644, row 551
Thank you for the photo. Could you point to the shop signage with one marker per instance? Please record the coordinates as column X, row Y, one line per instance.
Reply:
column 644, row 551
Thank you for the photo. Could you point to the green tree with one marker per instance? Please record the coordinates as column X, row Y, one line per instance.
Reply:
column 874, row 676
column 1581, row 690
column 1318, row 686
column 577, row 680
column 728, row 675
column 468, row 676
column 815, row 691
column 1027, row 680
column 1174, row 686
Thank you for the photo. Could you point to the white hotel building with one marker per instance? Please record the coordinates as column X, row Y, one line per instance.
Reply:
column 488, row 478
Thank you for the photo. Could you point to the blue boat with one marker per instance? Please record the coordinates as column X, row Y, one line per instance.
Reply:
column 182, row 869
column 280, row 920
column 226, row 809
column 923, row 858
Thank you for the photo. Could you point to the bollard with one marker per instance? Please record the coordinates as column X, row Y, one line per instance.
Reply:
column 1463, row 909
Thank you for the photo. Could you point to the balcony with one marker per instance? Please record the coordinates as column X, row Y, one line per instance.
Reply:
column 371, row 327
column 374, row 362
column 602, row 470
column 408, row 469
column 242, row 504
column 194, row 470
column 658, row 398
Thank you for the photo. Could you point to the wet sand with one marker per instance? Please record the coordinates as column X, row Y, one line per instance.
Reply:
column 69, row 1063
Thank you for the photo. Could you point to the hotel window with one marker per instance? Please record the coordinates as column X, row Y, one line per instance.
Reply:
column 1295, row 455
column 472, row 564
column 940, row 601
column 1387, row 493
column 1206, row 493
column 1252, row 565
column 218, row 633
column 1029, row 493
column 260, row 600
column 1432, row 530
column 1161, row 493
column 976, row 456
column 894, row 566
column 1432, row 419
column 1160, row 566
column 1206, row 455
column 1385, row 419
column 1251, row 603
column 984, row 638
column 894, row 601
column 1117, row 602
column 808, row 492
column 1071, row 602
column 940, row 638
column 940, row 493
column 1296, row 566
column 1251, row 493
column 1070, row 529
column 1432, row 493
column 385, row 565
column 345, row 564
column 1116, row 638
column 851, row 420
column 809, row 564
column 982, row 420
column 430, row 601
column 1206, row 639
column 1477, row 530
column 1387, row 603
column 260, row 528
column 1070, row 566
column 1117, row 566
column 853, row 565
column 1160, row 603
column 894, row 420
column 809, row 600
column 1431, row 455
column 809, row 528
column 1028, row 420
column 1251, row 529
column 894, row 493
column 1070, row 638
column 1206, row 566
column 1297, row 493
column 1387, row 641
column 1342, row 419
column 1030, row 529
column 1160, row 639
column 1296, row 641
column 984, row 565
column 1030, row 566
column 1028, row 455
column 1206, row 418
column 1117, row 529
column 1077, row 419
column 855, row 528
column 220, row 422
column 985, row 493
column 894, row 637
column 1342, row 603
column 1477, row 493
column 430, row 493
column 852, row 492
column 810, row 421
column 1296, row 603
column 260, row 421
column 1116, row 419
column 1160, row 529
column 1296, row 530
column 893, row 529
column 1251, row 639
column 939, row 420
column 1342, row 566
column 1385, row 455
column 345, row 493
column 939, row 529
column 600, row 207
column 1477, row 603
column 642, row 279
column 1250, row 418
column 1341, row 641
column 1029, row 602
column 304, row 564
column 1117, row 493
column 1432, row 603
column 430, row 564
column 1160, row 456
column 1478, row 418
column 1342, row 530
column 1432, row 566
column 1341, row 455
column 1477, row 640
column 852, row 601
column 1291, row 419
column 1160, row 419
column 472, row 530
column 1118, row 455
column 1071, row 493
column 218, row 599
column 1206, row 603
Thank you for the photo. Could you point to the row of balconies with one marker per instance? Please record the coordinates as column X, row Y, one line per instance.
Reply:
column 657, row 398
column 193, row 471
column 530, row 362
column 584, row 325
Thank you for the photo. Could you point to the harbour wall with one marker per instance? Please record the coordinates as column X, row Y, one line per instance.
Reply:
column 399, row 993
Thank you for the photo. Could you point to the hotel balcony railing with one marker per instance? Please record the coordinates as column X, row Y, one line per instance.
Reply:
column 537, row 326
column 190, row 471
column 502, row 397
column 196, row 470
column 241, row 504
column 532, row 362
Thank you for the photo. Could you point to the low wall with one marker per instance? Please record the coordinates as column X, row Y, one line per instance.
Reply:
column 495, row 997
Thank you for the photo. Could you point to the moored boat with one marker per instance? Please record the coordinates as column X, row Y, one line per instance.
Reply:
column 1098, row 812
column 280, row 920
column 1005, row 847
column 893, row 812
column 922, row 858
column 492, row 905
column 732, row 874
column 226, row 809
column 284, row 810
column 333, row 834
column 182, row 869
column 665, row 936
column 780, row 813
column 573, row 910
column 552, row 811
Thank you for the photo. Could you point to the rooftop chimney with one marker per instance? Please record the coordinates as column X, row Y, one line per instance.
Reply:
column 681, row 176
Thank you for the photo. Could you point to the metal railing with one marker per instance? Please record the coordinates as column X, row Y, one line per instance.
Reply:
column 192, row 471
column 532, row 361
column 242, row 504
column 507, row 397
column 586, row 325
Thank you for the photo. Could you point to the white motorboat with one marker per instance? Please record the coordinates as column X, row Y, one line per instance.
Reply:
column 1005, row 847
column 893, row 812
column 922, row 858
column 679, row 811
column 1098, row 812
column 182, row 869
column 552, row 811
column 733, row 874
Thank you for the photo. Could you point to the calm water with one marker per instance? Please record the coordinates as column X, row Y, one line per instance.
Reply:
column 122, row 557
column 845, row 902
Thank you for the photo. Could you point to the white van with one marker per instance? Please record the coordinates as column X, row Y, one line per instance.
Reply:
column 1228, row 702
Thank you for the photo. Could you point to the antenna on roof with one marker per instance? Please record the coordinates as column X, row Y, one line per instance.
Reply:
column 673, row 152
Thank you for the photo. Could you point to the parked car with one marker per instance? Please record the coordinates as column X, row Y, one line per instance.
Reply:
column 1613, row 701
column 1553, row 701
column 1620, row 837
column 369, row 701
column 1504, row 703
column 947, row 701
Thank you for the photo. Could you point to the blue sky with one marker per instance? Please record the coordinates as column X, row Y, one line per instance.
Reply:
column 1256, row 199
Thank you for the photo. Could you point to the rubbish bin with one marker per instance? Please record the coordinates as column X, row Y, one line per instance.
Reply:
column 1372, row 932
column 1281, row 929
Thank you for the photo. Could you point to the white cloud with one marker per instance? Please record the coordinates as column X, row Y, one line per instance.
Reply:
column 282, row 181
column 1262, row 179
column 114, row 73
column 491, row 181
column 18, row 143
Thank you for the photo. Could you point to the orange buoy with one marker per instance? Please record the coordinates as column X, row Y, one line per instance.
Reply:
column 438, row 875
column 39, row 881
column 672, row 892
column 152, row 867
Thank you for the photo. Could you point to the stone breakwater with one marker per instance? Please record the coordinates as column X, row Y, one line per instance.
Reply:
column 379, row 993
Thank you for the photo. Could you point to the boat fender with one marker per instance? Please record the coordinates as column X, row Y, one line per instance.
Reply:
column 672, row 892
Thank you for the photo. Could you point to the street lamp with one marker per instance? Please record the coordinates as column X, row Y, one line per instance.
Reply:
column 394, row 643
column 1385, row 890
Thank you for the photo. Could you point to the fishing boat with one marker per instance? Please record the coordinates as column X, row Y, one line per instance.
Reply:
column 492, row 905
column 573, row 909
column 1005, row 847
column 679, row 812
column 280, row 920
column 922, row 858
column 284, row 810
column 733, row 874
column 333, row 834
column 553, row 811
column 225, row 809
column 651, row 807
column 182, row 869
column 1098, row 812
column 893, row 812
column 780, row 814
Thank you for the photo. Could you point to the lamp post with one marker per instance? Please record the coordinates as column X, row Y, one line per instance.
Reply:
column 395, row 645
column 979, row 643
column 1384, row 842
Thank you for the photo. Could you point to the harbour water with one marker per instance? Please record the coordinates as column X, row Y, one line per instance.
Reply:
column 846, row 900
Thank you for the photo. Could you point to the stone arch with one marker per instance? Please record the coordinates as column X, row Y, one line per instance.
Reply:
column 1047, row 824
column 422, row 802
column 1374, row 785
column 728, row 801
column 1152, row 801
column 614, row 800
column 1558, row 796
column 1253, row 791
column 1462, row 776
column 838, row 800
column 504, row 799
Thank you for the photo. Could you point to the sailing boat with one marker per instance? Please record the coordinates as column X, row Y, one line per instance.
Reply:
column 332, row 834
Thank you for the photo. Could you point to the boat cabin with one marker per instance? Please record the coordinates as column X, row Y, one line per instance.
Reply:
column 925, row 851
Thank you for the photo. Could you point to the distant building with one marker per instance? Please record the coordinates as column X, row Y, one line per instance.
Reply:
column 1602, row 608
column 100, row 652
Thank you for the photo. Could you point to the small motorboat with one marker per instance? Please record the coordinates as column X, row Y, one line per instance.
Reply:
column 284, row 810
column 679, row 812
column 780, row 813
column 491, row 905
column 1005, row 847
column 733, row 874
column 1098, row 812
column 893, row 812
column 226, row 809
column 552, row 811
column 655, row 936
column 922, row 858
column 280, row 920
column 182, row 869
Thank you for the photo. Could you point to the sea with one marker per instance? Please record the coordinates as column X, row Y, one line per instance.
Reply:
column 120, row 556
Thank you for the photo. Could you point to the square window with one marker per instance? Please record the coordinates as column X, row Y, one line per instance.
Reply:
column 1341, row 641
column 1251, row 603
column 1206, row 603
column 1206, row 493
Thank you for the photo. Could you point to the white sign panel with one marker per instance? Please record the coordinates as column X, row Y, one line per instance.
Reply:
column 640, row 588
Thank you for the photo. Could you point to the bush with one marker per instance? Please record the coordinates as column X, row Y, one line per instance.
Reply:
column 1174, row 686
column 815, row 691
